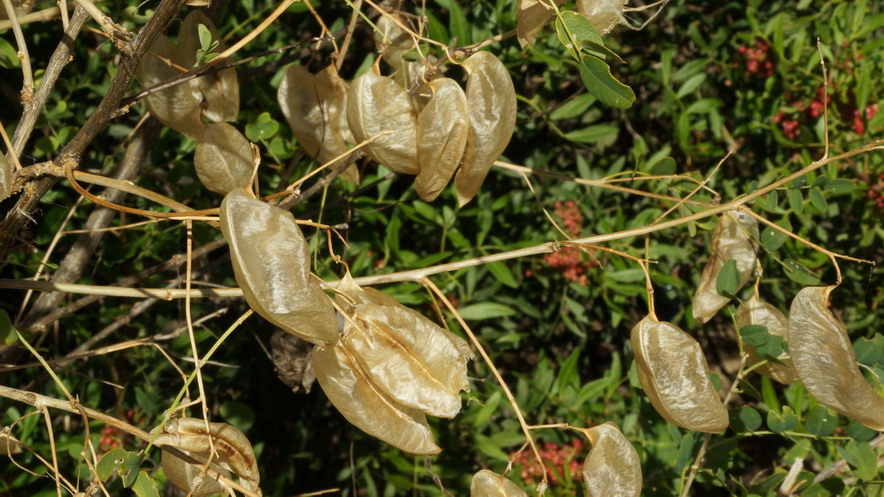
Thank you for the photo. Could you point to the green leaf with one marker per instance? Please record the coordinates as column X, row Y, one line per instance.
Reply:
column 490, row 448
column 591, row 134
column 485, row 412
column 264, row 128
column 144, row 486
column 796, row 200
column 580, row 29
column 774, row 347
column 663, row 167
column 860, row 432
column 868, row 352
column 754, row 335
column 457, row 23
column 238, row 414
column 123, row 462
column 820, row 422
column 818, row 200
column 485, row 310
column 728, row 280
column 8, row 55
column 205, row 36
column 840, row 186
column 862, row 459
column 503, row 274
column 573, row 108
column 800, row 274
column 690, row 85
column 7, row 331
column 568, row 372
column 597, row 78
column 745, row 419
column 778, row 423
column 772, row 238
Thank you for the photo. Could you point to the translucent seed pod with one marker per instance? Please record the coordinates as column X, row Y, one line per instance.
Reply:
column 612, row 468
column 489, row 484
column 376, row 105
column 825, row 361
column 368, row 408
column 223, row 158
column 757, row 312
column 731, row 240
column 603, row 14
column 218, row 92
column 531, row 17
column 442, row 130
column 271, row 263
column 491, row 99
column 673, row 372
column 392, row 40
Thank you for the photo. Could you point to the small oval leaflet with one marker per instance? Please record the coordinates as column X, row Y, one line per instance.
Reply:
column 613, row 468
column 826, row 362
column 755, row 311
column 673, row 372
column 489, row 484
column 442, row 130
column 271, row 263
column 223, row 158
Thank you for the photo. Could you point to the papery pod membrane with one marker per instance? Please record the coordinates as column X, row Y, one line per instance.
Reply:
column 190, row 478
column 368, row 408
column 8, row 443
column 271, row 263
column 731, row 240
column 21, row 8
column 491, row 99
column 218, row 92
column 757, row 312
column 613, row 468
column 223, row 158
column 333, row 91
column 376, row 104
column 825, row 361
column 603, row 14
column 350, row 295
column 392, row 39
column 489, row 484
column 442, row 130
column 531, row 17
column 176, row 107
column 673, row 372
column 411, row 359
column 6, row 172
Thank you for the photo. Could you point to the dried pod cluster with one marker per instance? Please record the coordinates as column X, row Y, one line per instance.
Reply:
column 731, row 241
column 757, row 312
column 533, row 15
column 234, row 454
column 223, row 158
column 673, row 372
column 825, row 361
column 489, row 484
column 612, row 468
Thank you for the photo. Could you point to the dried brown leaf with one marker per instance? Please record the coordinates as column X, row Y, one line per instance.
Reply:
column 223, row 158
column 603, row 14
column 613, row 468
column 825, row 361
column 271, row 262
column 757, row 312
column 531, row 17
column 492, row 104
column 731, row 240
column 376, row 104
column 489, row 484
column 368, row 408
column 674, row 375
column 442, row 130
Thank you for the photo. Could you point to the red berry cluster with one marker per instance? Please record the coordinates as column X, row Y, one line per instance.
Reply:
column 789, row 126
column 556, row 459
column 757, row 61
column 109, row 439
column 875, row 192
column 570, row 216
column 569, row 261
column 816, row 107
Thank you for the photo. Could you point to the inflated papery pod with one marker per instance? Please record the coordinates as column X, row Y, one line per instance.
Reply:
column 531, row 17
column 491, row 99
column 757, row 312
column 442, row 130
column 271, row 262
column 217, row 92
column 234, row 454
column 603, row 14
column 364, row 405
column 825, row 361
column 489, row 484
column 392, row 39
column 731, row 241
column 612, row 468
column 223, row 158
column 674, row 374
column 6, row 171
column 377, row 104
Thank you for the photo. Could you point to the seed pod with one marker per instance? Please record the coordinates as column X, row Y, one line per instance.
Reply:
column 731, row 240
column 271, row 263
column 442, row 129
column 757, row 312
column 223, row 158
column 8, row 443
column 673, row 372
column 491, row 99
column 366, row 407
column 488, row 484
column 531, row 17
column 376, row 104
column 233, row 449
column 6, row 172
column 218, row 92
column 392, row 40
column 825, row 361
column 603, row 14
column 613, row 468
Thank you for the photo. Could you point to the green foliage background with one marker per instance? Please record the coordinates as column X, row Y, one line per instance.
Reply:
column 562, row 345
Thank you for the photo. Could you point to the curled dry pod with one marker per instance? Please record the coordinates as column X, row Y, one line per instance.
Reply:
column 531, row 17
column 271, row 263
column 190, row 435
column 613, row 468
column 757, row 312
column 489, row 484
column 603, row 14
column 673, row 372
column 376, row 104
column 825, row 361
column 366, row 407
column 392, row 40
column 731, row 240
column 223, row 158
column 6, row 171
column 491, row 99
column 218, row 92
column 442, row 129
column 411, row 359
